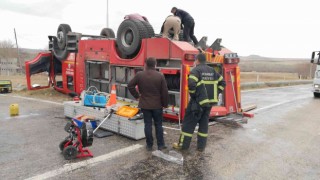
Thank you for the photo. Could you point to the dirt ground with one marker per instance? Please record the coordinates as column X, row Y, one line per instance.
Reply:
column 41, row 79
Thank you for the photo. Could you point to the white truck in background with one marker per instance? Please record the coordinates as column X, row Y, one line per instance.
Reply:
column 315, row 59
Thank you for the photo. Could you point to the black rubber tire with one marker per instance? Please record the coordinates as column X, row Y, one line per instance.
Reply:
column 130, row 46
column 70, row 152
column 62, row 32
column 87, row 139
column 107, row 32
column 316, row 95
column 62, row 143
column 61, row 55
column 149, row 28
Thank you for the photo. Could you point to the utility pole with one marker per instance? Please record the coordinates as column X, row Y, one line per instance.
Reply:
column 311, row 65
column 15, row 35
column 107, row 13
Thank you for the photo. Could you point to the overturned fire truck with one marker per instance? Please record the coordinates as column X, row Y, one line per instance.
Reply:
column 77, row 61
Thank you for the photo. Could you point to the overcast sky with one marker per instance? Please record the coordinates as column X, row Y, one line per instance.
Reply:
column 271, row 28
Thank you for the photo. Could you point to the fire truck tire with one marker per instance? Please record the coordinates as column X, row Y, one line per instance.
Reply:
column 150, row 30
column 58, row 53
column 316, row 95
column 62, row 32
column 70, row 152
column 129, row 36
column 107, row 32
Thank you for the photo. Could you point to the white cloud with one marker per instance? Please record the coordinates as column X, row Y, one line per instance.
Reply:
column 266, row 27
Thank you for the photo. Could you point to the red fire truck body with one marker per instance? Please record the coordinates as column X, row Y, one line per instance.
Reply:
column 96, row 61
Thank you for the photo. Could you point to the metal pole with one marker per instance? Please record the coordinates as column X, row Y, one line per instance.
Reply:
column 311, row 70
column 15, row 35
column 107, row 13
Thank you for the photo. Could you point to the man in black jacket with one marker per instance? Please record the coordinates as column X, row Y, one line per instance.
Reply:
column 153, row 97
column 188, row 24
column 204, row 83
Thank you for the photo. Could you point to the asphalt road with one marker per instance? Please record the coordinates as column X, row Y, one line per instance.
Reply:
column 280, row 142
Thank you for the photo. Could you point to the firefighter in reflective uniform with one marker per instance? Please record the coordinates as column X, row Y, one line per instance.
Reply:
column 204, row 85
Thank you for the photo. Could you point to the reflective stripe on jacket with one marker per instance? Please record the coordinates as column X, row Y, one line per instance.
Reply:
column 204, row 84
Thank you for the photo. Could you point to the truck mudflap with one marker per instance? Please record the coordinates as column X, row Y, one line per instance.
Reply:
column 39, row 64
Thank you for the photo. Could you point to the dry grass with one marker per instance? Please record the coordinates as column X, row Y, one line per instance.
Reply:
column 47, row 94
column 53, row 95
column 267, row 77
column 42, row 79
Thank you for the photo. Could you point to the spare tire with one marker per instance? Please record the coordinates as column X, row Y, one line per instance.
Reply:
column 62, row 32
column 129, row 36
column 60, row 54
column 107, row 32
column 148, row 26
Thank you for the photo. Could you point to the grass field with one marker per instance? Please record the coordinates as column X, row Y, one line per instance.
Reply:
column 41, row 79
column 267, row 77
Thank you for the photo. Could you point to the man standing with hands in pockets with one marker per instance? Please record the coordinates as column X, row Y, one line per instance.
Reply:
column 153, row 97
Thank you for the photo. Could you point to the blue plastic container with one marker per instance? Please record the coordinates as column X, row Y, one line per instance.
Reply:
column 99, row 100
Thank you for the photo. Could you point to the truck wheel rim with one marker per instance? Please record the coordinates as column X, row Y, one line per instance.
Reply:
column 127, row 37
column 60, row 36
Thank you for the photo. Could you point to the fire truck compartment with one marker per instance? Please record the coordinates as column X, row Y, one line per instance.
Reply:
column 97, row 73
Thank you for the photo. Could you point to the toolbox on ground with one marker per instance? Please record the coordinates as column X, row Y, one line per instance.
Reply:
column 118, row 124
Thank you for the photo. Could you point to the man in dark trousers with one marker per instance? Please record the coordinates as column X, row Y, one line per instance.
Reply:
column 188, row 24
column 203, row 83
column 153, row 97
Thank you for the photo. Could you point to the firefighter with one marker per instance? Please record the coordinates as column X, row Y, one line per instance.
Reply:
column 174, row 23
column 188, row 24
column 204, row 85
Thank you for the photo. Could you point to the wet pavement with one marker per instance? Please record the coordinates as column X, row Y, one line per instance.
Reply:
column 280, row 142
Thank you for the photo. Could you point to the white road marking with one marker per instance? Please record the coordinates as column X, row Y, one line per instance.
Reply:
column 22, row 116
column 86, row 163
column 277, row 104
column 273, row 88
column 33, row 99
column 165, row 127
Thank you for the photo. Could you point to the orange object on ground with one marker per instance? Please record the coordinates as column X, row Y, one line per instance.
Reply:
column 113, row 97
column 127, row 111
column 84, row 118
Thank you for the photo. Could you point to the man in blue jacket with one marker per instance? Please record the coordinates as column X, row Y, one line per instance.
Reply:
column 188, row 24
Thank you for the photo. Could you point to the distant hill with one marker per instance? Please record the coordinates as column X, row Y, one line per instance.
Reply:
column 261, row 58
column 31, row 51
